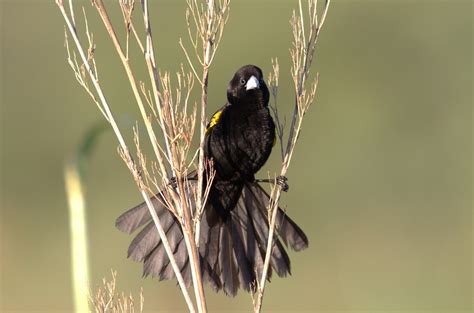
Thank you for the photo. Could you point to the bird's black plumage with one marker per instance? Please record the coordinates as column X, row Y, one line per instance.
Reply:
column 234, row 229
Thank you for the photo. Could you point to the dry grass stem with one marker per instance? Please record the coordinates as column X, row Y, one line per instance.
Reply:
column 205, row 24
column 273, row 78
column 107, row 300
column 171, row 111
column 178, row 195
column 78, row 235
column 123, row 147
column 302, row 53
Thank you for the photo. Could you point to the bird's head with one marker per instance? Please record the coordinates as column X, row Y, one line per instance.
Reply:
column 247, row 85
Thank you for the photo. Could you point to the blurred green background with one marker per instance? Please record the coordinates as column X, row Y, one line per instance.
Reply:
column 381, row 180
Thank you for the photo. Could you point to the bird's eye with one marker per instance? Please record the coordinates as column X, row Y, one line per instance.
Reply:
column 242, row 81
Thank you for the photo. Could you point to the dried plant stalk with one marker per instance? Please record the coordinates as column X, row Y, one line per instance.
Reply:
column 205, row 28
column 302, row 53
column 107, row 300
column 169, row 113
column 80, row 71
column 78, row 234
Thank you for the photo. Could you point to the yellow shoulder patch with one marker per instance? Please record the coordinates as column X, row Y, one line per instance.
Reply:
column 214, row 119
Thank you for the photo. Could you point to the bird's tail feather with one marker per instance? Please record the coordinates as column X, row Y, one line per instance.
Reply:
column 232, row 251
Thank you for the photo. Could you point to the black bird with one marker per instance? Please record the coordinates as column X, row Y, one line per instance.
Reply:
column 234, row 228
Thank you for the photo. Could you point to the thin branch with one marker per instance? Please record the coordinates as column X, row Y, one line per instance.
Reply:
column 190, row 62
column 107, row 299
column 180, row 203
column 273, row 84
column 302, row 56
column 126, row 153
column 165, row 113
column 208, row 20
column 71, row 9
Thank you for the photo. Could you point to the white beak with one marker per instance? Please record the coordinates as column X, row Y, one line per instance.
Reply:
column 252, row 83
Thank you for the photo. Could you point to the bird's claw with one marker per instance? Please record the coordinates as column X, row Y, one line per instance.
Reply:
column 281, row 181
column 173, row 182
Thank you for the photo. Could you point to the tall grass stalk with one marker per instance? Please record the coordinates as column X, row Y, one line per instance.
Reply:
column 78, row 236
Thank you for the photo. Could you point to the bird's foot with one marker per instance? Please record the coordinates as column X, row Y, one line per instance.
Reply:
column 280, row 181
column 173, row 182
